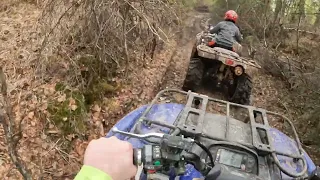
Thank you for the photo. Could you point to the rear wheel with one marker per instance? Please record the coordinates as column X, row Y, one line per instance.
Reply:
column 194, row 75
column 242, row 91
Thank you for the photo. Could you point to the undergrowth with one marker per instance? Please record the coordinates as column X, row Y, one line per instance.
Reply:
column 69, row 112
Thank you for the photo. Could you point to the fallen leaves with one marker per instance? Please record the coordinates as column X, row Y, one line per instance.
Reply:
column 95, row 116
column 80, row 147
column 72, row 104
column 50, row 90
column 73, row 107
column 62, row 98
column 43, row 107
column 96, row 108
column 30, row 115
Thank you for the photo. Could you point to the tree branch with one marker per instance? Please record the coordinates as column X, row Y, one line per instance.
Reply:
column 8, row 124
column 301, row 31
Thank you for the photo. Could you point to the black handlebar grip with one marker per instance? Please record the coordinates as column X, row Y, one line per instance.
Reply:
column 316, row 175
column 137, row 157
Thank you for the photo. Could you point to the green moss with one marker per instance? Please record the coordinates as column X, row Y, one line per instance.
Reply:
column 189, row 3
column 96, row 76
column 100, row 89
column 105, row 87
column 60, row 87
column 68, row 120
column 112, row 104
column 95, row 85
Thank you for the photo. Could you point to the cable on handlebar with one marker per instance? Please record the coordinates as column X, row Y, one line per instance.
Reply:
column 207, row 151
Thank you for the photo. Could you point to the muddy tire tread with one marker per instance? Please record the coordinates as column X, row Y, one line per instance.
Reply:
column 242, row 94
column 194, row 75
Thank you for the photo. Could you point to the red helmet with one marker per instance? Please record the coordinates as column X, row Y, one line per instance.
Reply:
column 231, row 15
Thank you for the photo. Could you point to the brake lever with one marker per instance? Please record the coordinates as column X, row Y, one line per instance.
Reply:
column 138, row 136
column 171, row 141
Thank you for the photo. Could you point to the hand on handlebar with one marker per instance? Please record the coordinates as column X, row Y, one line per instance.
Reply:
column 111, row 156
column 210, row 27
column 173, row 149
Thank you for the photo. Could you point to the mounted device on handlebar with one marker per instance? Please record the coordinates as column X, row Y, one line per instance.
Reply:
column 219, row 147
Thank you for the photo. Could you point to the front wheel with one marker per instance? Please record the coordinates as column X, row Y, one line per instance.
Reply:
column 194, row 75
column 242, row 91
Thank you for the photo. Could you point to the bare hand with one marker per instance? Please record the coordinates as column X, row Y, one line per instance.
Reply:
column 112, row 156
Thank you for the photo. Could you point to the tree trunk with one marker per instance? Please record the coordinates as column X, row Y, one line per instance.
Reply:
column 317, row 22
column 264, row 5
column 300, row 12
column 283, row 11
column 277, row 12
column 302, row 9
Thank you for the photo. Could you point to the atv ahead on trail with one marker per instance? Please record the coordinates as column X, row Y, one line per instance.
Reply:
column 220, row 68
column 187, row 136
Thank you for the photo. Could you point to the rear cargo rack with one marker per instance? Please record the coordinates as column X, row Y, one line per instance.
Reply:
column 263, row 147
column 221, row 54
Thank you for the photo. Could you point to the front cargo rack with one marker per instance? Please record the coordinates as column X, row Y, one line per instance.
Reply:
column 263, row 147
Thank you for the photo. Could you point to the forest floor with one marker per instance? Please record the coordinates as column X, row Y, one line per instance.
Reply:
column 47, row 157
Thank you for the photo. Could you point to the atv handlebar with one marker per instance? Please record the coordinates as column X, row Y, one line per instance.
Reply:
column 295, row 175
column 166, row 151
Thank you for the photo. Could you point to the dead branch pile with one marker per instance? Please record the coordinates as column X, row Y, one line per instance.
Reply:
column 307, row 95
column 100, row 37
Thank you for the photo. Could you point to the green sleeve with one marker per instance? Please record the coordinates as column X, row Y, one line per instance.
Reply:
column 91, row 173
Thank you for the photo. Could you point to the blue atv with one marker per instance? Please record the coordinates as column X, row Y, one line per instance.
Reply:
column 186, row 141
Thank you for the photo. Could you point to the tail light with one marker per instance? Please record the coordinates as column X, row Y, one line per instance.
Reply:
column 229, row 62
column 211, row 43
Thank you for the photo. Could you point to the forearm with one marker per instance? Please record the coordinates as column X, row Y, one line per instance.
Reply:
column 91, row 173
column 239, row 38
column 215, row 29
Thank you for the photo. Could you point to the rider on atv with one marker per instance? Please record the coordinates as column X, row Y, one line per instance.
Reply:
column 227, row 32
